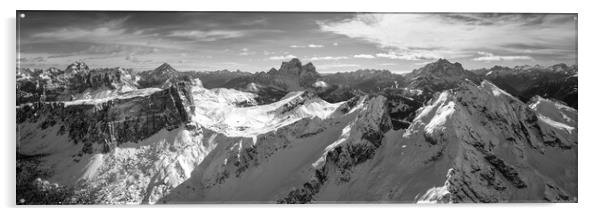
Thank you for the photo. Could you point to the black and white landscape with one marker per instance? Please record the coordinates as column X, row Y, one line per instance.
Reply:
column 153, row 108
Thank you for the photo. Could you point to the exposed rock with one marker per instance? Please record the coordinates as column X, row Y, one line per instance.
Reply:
column 115, row 121
column 158, row 76
column 77, row 81
column 439, row 75
column 292, row 76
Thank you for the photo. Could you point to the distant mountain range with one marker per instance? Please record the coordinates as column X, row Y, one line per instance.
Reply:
column 557, row 82
column 439, row 134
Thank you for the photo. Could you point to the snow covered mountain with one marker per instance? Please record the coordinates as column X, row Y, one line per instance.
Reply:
column 456, row 150
column 77, row 81
column 471, row 144
column 179, row 142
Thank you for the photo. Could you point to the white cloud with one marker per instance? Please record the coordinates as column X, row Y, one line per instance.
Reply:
column 109, row 33
column 115, row 33
column 335, row 44
column 366, row 56
column 328, row 58
column 282, row 57
column 409, row 56
column 73, row 34
column 307, row 46
column 451, row 37
column 485, row 56
column 211, row 35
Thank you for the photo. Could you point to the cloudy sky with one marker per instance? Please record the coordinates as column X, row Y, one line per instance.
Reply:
column 259, row 41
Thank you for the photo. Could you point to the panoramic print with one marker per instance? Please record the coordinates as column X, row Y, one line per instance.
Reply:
column 141, row 107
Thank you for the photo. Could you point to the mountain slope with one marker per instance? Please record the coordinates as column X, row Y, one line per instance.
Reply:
column 473, row 144
column 443, row 139
column 557, row 81
column 268, row 167
column 121, row 144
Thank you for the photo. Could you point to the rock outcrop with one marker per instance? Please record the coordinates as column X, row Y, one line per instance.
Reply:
column 438, row 76
column 292, row 76
column 157, row 77
column 77, row 81
column 99, row 126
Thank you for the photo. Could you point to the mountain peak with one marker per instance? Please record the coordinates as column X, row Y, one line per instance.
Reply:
column 439, row 75
column 165, row 68
column 441, row 67
column 294, row 65
column 273, row 70
column 295, row 61
column 76, row 67
column 309, row 67
column 442, row 61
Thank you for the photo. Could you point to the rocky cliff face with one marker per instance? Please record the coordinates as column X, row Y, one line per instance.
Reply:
column 357, row 144
column 99, row 126
column 271, row 86
column 77, row 81
column 439, row 75
column 157, row 77
column 292, row 76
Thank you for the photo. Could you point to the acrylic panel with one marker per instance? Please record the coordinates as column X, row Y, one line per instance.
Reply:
column 142, row 107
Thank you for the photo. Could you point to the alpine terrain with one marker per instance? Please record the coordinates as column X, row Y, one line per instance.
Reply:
column 439, row 134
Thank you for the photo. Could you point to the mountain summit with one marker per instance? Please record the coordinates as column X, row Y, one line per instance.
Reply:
column 77, row 67
column 292, row 76
column 165, row 68
column 439, row 75
column 158, row 76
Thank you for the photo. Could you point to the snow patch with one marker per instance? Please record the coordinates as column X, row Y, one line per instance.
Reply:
column 217, row 109
column 320, row 84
